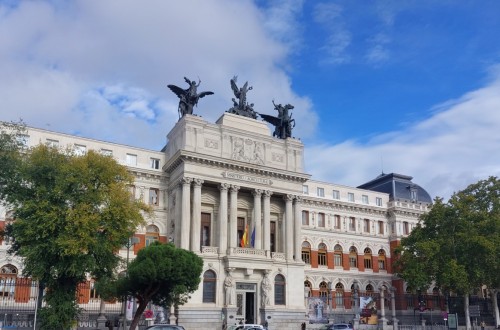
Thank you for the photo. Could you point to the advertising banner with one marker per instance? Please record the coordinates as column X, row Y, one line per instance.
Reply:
column 368, row 308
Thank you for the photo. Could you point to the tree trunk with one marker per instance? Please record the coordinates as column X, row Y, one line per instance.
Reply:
column 140, row 309
column 494, row 302
column 466, row 310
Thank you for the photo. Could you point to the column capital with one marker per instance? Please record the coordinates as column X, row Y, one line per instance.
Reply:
column 235, row 188
column 186, row 180
column 224, row 186
column 267, row 193
column 257, row 193
column 298, row 199
column 288, row 198
column 198, row 182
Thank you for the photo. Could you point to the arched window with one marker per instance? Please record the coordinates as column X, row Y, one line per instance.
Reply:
column 279, row 290
column 368, row 258
column 307, row 289
column 152, row 234
column 353, row 257
column 323, row 290
column 409, row 297
column 369, row 290
column 339, row 295
column 209, row 286
column 337, row 257
column 306, row 252
column 381, row 259
column 322, row 254
column 435, row 297
column 8, row 275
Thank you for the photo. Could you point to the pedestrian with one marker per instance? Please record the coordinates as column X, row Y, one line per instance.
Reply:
column 482, row 325
column 109, row 324
column 303, row 326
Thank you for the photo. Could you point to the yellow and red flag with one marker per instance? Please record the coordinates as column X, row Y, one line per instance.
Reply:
column 244, row 239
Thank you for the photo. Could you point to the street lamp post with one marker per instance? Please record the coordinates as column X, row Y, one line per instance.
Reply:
column 130, row 242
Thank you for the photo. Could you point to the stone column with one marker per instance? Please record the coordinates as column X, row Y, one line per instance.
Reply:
column 223, row 187
column 393, row 308
column 297, row 243
column 233, row 216
column 266, row 233
column 177, row 212
column 196, row 216
column 382, row 321
column 185, row 212
column 257, row 216
column 288, row 227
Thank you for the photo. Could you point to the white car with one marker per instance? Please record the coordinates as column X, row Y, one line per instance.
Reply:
column 246, row 327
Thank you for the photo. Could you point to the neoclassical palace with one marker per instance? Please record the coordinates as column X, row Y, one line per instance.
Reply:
column 278, row 246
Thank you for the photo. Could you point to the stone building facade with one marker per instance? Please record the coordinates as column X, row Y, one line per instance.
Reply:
column 269, row 235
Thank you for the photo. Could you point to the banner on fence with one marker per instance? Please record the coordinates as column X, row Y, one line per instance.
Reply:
column 368, row 308
column 317, row 310
column 129, row 308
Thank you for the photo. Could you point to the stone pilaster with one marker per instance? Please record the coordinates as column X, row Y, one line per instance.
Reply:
column 288, row 227
column 297, row 242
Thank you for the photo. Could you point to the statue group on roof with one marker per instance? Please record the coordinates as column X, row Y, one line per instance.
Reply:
column 188, row 98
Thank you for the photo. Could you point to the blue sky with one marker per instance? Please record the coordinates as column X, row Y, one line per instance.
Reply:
column 411, row 87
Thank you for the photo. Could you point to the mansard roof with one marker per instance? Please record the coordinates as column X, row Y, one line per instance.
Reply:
column 399, row 187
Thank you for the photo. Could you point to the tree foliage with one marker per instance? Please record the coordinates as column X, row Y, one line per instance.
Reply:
column 161, row 274
column 445, row 246
column 72, row 213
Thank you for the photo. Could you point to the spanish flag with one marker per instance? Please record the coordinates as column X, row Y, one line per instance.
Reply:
column 244, row 239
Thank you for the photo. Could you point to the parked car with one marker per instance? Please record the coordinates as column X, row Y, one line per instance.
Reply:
column 165, row 327
column 340, row 326
column 246, row 327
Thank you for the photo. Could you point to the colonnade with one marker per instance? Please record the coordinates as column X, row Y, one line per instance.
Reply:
column 188, row 219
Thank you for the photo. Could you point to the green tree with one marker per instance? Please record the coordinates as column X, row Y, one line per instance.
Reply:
column 72, row 213
column 444, row 247
column 161, row 274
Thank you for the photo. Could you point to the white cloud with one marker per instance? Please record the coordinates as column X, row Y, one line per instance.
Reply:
column 54, row 55
column 456, row 146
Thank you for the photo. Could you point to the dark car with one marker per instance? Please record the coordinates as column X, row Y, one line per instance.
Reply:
column 340, row 326
column 165, row 327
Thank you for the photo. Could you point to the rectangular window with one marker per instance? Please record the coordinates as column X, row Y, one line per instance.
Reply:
column 322, row 258
column 279, row 294
column 306, row 256
column 52, row 143
column 240, row 229
column 153, row 196
column 381, row 227
column 321, row 220
column 353, row 262
column 336, row 221
column 337, row 259
column 350, row 197
column 205, row 229
column 106, row 152
column 378, row 201
column 381, row 264
column 321, row 192
column 406, row 229
column 305, row 190
column 155, row 163
column 273, row 236
column 366, row 225
column 336, row 194
column 368, row 263
column 364, row 199
column 80, row 149
column 352, row 224
column 305, row 218
column 131, row 160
